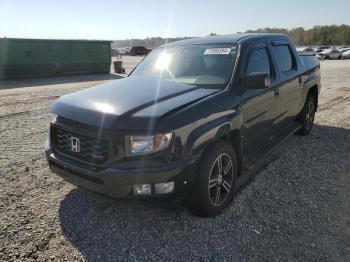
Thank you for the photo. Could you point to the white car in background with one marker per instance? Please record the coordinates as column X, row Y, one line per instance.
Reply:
column 346, row 54
column 344, row 49
column 320, row 49
column 306, row 50
column 331, row 53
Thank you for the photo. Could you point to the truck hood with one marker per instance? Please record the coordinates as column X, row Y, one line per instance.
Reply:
column 133, row 103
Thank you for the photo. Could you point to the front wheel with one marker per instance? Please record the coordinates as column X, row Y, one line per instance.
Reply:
column 307, row 116
column 215, row 185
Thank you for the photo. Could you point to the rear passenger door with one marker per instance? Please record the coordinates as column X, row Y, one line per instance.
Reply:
column 290, row 87
column 259, row 107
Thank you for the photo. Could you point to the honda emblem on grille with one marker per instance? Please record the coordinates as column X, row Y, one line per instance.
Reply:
column 74, row 144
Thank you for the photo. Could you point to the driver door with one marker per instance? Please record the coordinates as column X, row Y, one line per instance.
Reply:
column 259, row 107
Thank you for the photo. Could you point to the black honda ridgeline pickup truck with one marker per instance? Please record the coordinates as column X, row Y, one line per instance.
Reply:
column 193, row 119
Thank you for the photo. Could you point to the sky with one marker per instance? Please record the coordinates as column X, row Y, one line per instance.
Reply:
column 116, row 20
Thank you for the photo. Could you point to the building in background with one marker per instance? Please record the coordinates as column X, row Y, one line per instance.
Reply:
column 28, row 58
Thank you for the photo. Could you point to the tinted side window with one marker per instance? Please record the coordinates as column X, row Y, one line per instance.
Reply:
column 258, row 62
column 284, row 57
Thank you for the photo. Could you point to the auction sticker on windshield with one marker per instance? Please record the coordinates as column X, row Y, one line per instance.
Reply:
column 217, row 51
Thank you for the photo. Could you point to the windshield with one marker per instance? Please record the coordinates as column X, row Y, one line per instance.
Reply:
column 207, row 65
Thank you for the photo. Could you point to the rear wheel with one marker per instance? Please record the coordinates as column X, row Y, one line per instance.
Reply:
column 216, row 181
column 307, row 116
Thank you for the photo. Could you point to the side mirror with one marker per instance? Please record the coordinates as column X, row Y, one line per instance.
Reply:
column 257, row 80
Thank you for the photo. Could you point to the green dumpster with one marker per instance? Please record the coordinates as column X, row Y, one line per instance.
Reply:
column 28, row 58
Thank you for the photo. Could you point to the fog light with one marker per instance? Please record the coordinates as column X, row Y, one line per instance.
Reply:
column 164, row 188
column 144, row 189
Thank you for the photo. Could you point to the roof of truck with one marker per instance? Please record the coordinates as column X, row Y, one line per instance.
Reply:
column 223, row 39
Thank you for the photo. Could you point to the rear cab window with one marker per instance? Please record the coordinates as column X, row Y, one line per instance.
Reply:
column 285, row 59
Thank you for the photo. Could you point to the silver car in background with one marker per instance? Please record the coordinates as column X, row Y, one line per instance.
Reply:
column 331, row 53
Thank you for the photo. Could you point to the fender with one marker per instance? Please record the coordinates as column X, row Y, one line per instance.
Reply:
column 311, row 83
column 207, row 133
column 311, row 80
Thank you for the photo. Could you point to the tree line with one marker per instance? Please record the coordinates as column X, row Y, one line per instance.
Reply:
column 149, row 42
column 318, row 35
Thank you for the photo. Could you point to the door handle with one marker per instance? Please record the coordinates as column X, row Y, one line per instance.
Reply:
column 300, row 79
column 276, row 91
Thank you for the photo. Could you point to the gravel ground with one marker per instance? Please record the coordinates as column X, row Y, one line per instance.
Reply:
column 296, row 209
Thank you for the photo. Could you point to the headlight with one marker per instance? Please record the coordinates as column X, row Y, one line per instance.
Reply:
column 137, row 145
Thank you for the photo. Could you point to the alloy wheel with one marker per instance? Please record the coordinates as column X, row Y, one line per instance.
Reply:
column 310, row 115
column 220, row 179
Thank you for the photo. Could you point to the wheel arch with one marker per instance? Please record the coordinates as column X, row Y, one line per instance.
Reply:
column 227, row 134
column 314, row 92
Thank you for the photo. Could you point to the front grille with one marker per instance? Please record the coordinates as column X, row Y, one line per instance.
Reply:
column 90, row 149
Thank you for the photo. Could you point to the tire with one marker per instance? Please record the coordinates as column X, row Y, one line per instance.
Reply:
column 307, row 116
column 339, row 57
column 216, row 180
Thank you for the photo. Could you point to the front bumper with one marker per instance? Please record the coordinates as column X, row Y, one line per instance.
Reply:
column 117, row 182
